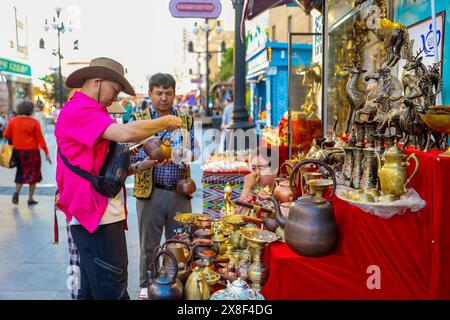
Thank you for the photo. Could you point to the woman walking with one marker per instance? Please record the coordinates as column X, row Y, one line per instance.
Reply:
column 25, row 134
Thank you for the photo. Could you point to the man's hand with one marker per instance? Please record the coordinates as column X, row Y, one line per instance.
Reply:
column 164, row 163
column 148, row 163
column 172, row 122
column 251, row 179
column 48, row 158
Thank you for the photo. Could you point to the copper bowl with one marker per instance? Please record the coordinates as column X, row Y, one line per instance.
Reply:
column 439, row 122
column 203, row 233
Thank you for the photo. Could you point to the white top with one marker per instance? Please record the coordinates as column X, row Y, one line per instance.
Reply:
column 115, row 211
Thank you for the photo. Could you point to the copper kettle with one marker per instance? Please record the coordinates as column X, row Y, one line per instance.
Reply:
column 186, row 186
column 163, row 285
column 310, row 229
column 158, row 148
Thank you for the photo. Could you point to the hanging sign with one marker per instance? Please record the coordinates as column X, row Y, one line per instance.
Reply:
column 421, row 34
column 209, row 9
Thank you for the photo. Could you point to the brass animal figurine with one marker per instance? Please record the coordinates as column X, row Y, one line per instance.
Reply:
column 355, row 97
column 424, row 84
column 393, row 35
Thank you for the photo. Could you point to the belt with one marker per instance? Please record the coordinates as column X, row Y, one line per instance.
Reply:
column 165, row 186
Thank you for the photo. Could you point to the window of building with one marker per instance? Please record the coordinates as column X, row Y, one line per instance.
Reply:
column 273, row 33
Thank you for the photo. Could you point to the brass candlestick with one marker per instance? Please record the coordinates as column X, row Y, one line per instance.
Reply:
column 257, row 240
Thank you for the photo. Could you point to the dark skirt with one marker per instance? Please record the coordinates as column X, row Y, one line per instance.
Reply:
column 28, row 166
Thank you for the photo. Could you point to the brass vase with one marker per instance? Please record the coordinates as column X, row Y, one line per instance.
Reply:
column 257, row 240
column 369, row 178
column 369, row 130
column 348, row 164
column 357, row 168
column 360, row 134
column 379, row 143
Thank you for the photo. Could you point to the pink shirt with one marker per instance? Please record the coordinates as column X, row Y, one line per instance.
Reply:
column 78, row 131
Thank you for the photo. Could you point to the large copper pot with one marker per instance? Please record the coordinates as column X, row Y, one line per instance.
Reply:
column 310, row 229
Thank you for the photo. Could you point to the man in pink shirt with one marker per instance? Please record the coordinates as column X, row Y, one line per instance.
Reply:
column 83, row 132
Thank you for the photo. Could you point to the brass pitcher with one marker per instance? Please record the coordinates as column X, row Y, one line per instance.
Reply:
column 310, row 229
column 393, row 174
column 196, row 286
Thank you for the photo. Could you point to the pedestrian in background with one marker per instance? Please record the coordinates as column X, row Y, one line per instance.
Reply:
column 226, row 121
column 129, row 111
column 3, row 124
column 25, row 134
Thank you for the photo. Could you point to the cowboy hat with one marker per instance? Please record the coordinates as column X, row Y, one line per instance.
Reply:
column 105, row 68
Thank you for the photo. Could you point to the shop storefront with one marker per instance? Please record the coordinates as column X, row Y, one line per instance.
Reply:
column 268, row 76
column 17, row 77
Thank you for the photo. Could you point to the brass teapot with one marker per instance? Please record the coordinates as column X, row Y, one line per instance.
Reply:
column 393, row 174
column 310, row 229
column 197, row 286
column 163, row 285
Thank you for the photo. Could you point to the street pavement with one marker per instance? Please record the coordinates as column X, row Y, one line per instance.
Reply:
column 31, row 267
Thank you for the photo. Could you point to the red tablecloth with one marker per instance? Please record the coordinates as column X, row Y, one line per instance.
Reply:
column 411, row 250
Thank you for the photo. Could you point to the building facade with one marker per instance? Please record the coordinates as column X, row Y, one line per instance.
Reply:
column 15, row 72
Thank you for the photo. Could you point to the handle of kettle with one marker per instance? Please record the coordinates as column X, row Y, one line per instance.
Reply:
column 412, row 155
column 318, row 162
column 183, row 243
column 172, row 257
column 154, row 262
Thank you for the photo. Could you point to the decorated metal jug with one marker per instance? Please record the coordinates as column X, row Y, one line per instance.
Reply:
column 393, row 174
column 197, row 286
column 310, row 229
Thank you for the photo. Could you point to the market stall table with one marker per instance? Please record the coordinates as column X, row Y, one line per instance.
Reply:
column 410, row 251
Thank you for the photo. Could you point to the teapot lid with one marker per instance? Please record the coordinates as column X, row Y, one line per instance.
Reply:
column 239, row 283
column 394, row 151
column 312, row 199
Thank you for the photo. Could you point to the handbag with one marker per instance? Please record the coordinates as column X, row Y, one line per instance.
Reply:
column 7, row 158
column 114, row 170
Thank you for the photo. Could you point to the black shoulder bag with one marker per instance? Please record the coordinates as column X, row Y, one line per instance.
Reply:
column 114, row 171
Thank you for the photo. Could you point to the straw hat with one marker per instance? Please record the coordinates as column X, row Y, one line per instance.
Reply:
column 102, row 67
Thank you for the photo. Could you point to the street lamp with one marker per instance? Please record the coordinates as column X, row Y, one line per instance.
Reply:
column 207, row 29
column 58, row 25
column 239, row 118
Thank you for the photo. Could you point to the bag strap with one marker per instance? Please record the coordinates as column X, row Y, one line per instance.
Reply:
column 82, row 173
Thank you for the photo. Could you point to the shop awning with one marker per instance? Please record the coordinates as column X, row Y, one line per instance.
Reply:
column 255, row 7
